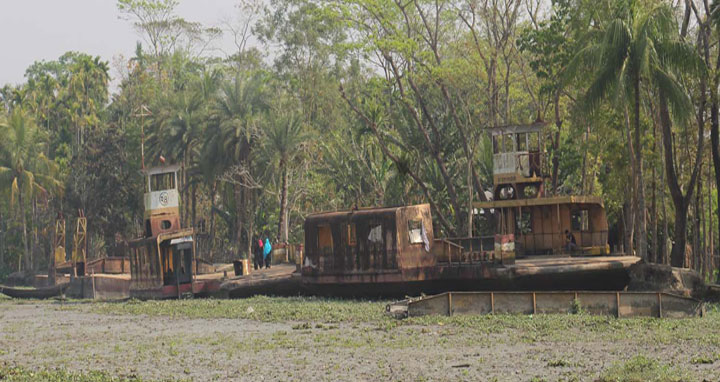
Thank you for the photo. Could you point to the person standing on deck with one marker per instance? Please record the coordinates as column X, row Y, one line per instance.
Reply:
column 570, row 243
column 267, row 250
column 258, row 254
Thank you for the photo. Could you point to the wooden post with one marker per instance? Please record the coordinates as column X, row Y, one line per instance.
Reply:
column 559, row 225
column 617, row 301
column 660, row 312
column 534, row 304
column 449, row 301
column 492, row 302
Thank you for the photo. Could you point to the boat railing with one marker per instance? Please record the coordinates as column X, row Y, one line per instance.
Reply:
column 535, row 243
column 447, row 251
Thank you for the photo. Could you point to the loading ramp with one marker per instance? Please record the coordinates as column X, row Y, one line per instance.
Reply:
column 611, row 303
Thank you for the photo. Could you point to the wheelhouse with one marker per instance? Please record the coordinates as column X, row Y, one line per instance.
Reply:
column 538, row 225
column 161, row 263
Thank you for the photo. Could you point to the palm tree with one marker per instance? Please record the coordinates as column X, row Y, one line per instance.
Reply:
column 88, row 86
column 24, row 169
column 232, row 137
column 639, row 47
column 181, row 120
column 285, row 136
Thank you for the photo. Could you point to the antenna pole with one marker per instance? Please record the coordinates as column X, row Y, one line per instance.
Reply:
column 142, row 111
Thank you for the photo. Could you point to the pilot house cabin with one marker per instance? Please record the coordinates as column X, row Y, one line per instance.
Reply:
column 161, row 262
column 538, row 225
column 522, row 214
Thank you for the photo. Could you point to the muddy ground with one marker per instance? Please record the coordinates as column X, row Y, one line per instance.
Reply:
column 47, row 335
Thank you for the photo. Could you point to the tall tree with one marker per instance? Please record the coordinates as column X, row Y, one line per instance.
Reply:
column 285, row 136
column 24, row 168
column 638, row 47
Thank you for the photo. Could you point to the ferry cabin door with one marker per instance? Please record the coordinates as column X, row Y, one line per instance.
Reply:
column 177, row 264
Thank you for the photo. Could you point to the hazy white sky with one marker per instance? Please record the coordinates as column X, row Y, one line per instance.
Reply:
column 32, row 30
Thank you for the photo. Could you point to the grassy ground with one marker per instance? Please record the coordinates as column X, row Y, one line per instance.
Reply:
column 327, row 339
column 637, row 369
column 17, row 374
column 312, row 311
column 260, row 308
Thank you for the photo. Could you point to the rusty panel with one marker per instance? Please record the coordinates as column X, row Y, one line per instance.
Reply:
column 513, row 303
column 145, row 270
column 471, row 303
column 638, row 304
column 632, row 304
column 600, row 303
column 678, row 307
column 414, row 255
column 560, row 302
column 156, row 222
column 437, row 304
column 597, row 217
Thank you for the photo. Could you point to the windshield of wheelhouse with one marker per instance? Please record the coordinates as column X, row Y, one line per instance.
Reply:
column 162, row 181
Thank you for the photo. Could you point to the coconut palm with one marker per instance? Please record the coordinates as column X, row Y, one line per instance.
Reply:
column 24, row 169
column 639, row 48
column 231, row 140
column 286, row 134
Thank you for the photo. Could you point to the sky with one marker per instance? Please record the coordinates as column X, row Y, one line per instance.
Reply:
column 33, row 30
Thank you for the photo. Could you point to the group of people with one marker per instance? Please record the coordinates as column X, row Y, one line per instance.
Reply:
column 262, row 254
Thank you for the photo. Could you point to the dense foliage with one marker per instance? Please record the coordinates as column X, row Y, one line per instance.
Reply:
column 339, row 103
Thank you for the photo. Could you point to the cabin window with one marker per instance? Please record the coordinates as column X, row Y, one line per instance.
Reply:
column 497, row 144
column 522, row 142
column 509, row 143
column 165, row 224
column 324, row 237
column 351, row 234
column 534, row 141
column 523, row 223
column 581, row 220
column 375, row 235
column 164, row 181
column 483, row 223
column 415, row 231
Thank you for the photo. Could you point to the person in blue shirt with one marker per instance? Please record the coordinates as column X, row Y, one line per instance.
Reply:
column 267, row 250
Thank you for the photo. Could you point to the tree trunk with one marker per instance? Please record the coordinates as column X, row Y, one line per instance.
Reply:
column 2, row 240
column 677, row 256
column 282, row 235
column 640, row 219
column 655, row 255
column 697, row 232
column 681, row 202
column 715, row 144
column 556, row 144
column 631, row 229
column 709, row 232
column 193, row 204
column 239, row 206
column 26, row 252
column 211, row 235
column 628, row 229
column 583, row 175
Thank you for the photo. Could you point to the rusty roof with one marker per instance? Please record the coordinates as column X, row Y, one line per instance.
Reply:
column 553, row 200
column 362, row 211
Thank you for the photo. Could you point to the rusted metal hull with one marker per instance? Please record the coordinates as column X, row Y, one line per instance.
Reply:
column 280, row 280
column 608, row 273
column 612, row 303
column 110, row 265
column 161, row 293
column 37, row 293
